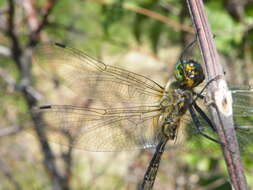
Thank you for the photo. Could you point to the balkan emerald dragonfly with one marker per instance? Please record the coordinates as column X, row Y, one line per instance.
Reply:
column 125, row 110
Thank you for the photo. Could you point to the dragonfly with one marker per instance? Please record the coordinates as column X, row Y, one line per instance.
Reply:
column 125, row 110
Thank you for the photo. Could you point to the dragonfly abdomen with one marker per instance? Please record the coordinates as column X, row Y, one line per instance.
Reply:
column 150, row 175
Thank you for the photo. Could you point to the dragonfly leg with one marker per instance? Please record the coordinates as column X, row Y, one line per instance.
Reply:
column 199, row 95
column 182, row 55
column 204, row 116
column 207, row 102
column 198, row 125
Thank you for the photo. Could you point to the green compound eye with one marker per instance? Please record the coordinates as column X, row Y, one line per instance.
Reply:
column 178, row 71
column 188, row 74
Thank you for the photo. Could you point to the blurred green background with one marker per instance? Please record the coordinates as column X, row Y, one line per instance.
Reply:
column 145, row 37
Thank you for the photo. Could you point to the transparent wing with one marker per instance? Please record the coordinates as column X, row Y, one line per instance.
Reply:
column 189, row 139
column 92, row 79
column 243, row 101
column 243, row 118
column 242, row 105
column 102, row 129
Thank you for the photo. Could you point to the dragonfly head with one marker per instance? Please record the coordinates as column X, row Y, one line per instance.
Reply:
column 188, row 74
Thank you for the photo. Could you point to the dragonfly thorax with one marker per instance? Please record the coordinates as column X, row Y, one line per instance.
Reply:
column 174, row 105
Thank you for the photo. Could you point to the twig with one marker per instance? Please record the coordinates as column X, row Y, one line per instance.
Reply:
column 22, row 58
column 12, row 85
column 222, row 111
column 35, row 25
column 31, row 14
column 151, row 14
column 16, row 50
column 47, row 10
column 159, row 17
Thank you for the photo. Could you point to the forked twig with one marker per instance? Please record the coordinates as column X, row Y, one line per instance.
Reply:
column 222, row 111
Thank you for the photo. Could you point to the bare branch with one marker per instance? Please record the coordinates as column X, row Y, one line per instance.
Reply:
column 35, row 32
column 151, row 14
column 34, row 93
column 16, row 50
column 31, row 14
column 46, row 12
column 23, row 59
column 218, row 90
column 12, row 85
column 159, row 17
column 35, row 24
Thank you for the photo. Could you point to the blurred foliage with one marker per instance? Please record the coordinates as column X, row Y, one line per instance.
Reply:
column 111, row 28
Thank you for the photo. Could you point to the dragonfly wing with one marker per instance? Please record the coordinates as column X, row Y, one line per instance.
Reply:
column 102, row 129
column 242, row 105
column 93, row 79
column 242, row 102
column 243, row 117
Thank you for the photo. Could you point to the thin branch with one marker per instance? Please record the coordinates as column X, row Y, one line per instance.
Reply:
column 44, row 21
column 170, row 8
column 12, row 86
column 46, row 12
column 31, row 14
column 23, row 58
column 34, row 23
column 151, row 14
column 157, row 16
column 221, row 96
column 16, row 50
